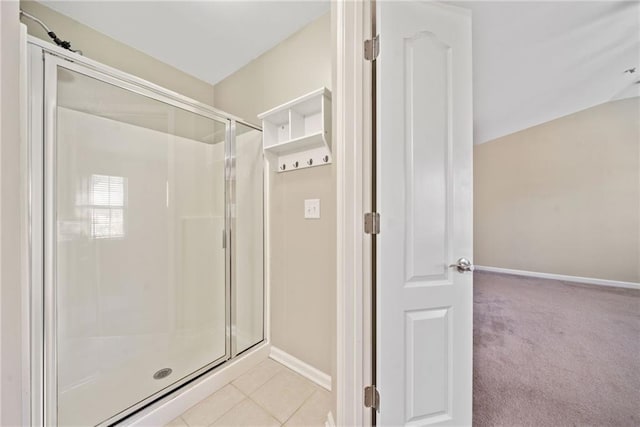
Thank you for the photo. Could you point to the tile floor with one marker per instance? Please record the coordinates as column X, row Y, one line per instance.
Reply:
column 268, row 395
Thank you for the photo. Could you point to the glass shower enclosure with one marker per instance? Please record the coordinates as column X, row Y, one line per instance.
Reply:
column 147, row 221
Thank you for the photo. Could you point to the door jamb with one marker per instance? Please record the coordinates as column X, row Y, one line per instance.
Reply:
column 352, row 133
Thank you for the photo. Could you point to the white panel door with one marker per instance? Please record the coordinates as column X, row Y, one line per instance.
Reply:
column 424, row 191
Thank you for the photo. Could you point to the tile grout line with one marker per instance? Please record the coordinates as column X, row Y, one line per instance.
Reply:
column 262, row 407
column 233, row 406
column 300, row 407
column 261, row 385
column 248, row 396
column 266, row 410
column 265, row 383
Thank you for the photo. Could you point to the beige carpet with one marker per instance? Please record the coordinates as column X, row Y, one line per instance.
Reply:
column 553, row 353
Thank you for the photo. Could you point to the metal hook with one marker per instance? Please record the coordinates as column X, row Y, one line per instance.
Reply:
column 310, row 162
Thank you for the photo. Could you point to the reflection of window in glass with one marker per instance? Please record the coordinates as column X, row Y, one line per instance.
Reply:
column 106, row 198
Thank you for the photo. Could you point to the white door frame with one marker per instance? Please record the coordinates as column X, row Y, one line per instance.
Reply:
column 352, row 118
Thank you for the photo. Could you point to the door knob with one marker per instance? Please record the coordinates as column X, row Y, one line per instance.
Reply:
column 462, row 265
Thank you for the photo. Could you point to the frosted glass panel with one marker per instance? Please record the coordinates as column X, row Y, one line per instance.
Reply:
column 248, row 237
column 140, row 266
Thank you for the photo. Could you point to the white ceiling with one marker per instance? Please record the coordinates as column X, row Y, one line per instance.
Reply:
column 533, row 61
column 537, row 61
column 207, row 39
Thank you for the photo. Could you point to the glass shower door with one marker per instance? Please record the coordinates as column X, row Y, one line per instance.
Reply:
column 136, row 295
column 247, row 322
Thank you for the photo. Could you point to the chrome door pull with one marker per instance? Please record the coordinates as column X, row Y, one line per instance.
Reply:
column 462, row 265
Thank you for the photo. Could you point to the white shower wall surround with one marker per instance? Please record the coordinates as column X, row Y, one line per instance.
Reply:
column 151, row 204
column 130, row 295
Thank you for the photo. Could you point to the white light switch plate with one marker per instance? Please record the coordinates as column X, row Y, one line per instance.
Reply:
column 312, row 208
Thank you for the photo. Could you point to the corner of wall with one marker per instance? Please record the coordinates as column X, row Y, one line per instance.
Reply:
column 11, row 316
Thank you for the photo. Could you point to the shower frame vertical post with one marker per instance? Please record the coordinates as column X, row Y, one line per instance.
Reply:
column 35, row 166
column 50, row 408
column 230, row 207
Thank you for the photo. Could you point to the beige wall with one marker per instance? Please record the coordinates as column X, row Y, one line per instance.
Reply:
column 563, row 197
column 302, row 251
column 10, row 219
column 106, row 50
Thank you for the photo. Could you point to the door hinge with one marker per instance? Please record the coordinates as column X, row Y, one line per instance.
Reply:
column 372, row 48
column 372, row 223
column 371, row 397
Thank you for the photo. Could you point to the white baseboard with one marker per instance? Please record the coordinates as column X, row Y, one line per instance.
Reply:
column 304, row 369
column 174, row 405
column 577, row 279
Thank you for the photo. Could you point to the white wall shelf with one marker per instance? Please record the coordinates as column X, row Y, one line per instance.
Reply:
column 297, row 134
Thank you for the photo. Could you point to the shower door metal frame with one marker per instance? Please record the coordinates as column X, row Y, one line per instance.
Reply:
column 43, row 62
